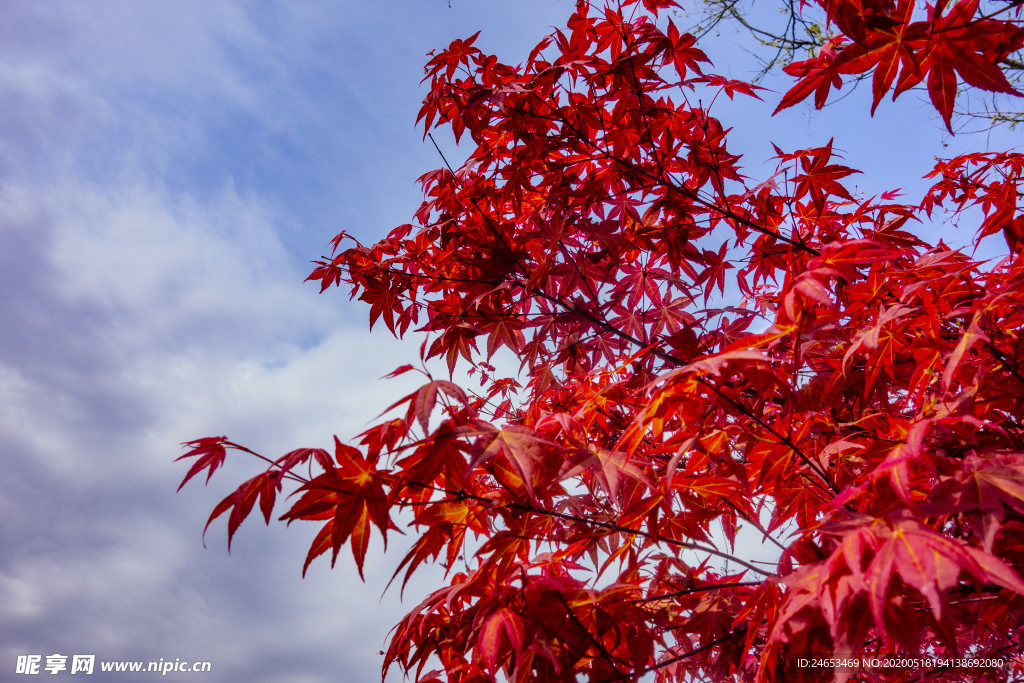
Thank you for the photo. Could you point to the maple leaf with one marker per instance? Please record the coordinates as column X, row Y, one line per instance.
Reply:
column 967, row 340
column 607, row 466
column 522, row 447
column 350, row 497
column 210, row 452
column 819, row 178
column 503, row 624
column 683, row 53
column 931, row 564
column 885, row 51
column 455, row 341
column 947, row 45
column 263, row 487
column 714, row 274
column 979, row 491
column 502, row 332
column 816, row 76
column 954, row 52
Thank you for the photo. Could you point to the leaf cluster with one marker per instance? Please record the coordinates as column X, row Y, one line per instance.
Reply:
column 861, row 391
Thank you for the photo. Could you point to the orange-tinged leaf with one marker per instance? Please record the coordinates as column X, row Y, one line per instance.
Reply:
column 522, row 446
column 607, row 466
column 501, row 627
column 634, row 515
column 321, row 544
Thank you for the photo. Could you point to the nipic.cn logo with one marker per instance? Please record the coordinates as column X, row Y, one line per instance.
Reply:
column 31, row 664
column 86, row 664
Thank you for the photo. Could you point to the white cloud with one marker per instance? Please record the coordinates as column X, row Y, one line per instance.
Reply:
column 140, row 321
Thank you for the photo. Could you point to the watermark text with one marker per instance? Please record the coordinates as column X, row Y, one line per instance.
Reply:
column 86, row 664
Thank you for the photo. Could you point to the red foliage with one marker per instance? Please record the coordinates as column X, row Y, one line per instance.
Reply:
column 864, row 391
column 880, row 35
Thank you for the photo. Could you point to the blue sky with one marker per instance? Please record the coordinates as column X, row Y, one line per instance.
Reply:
column 167, row 171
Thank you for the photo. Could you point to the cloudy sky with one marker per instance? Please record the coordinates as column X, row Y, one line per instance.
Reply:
column 167, row 171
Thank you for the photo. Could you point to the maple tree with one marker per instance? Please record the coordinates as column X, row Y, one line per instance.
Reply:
column 700, row 352
column 854, row 40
